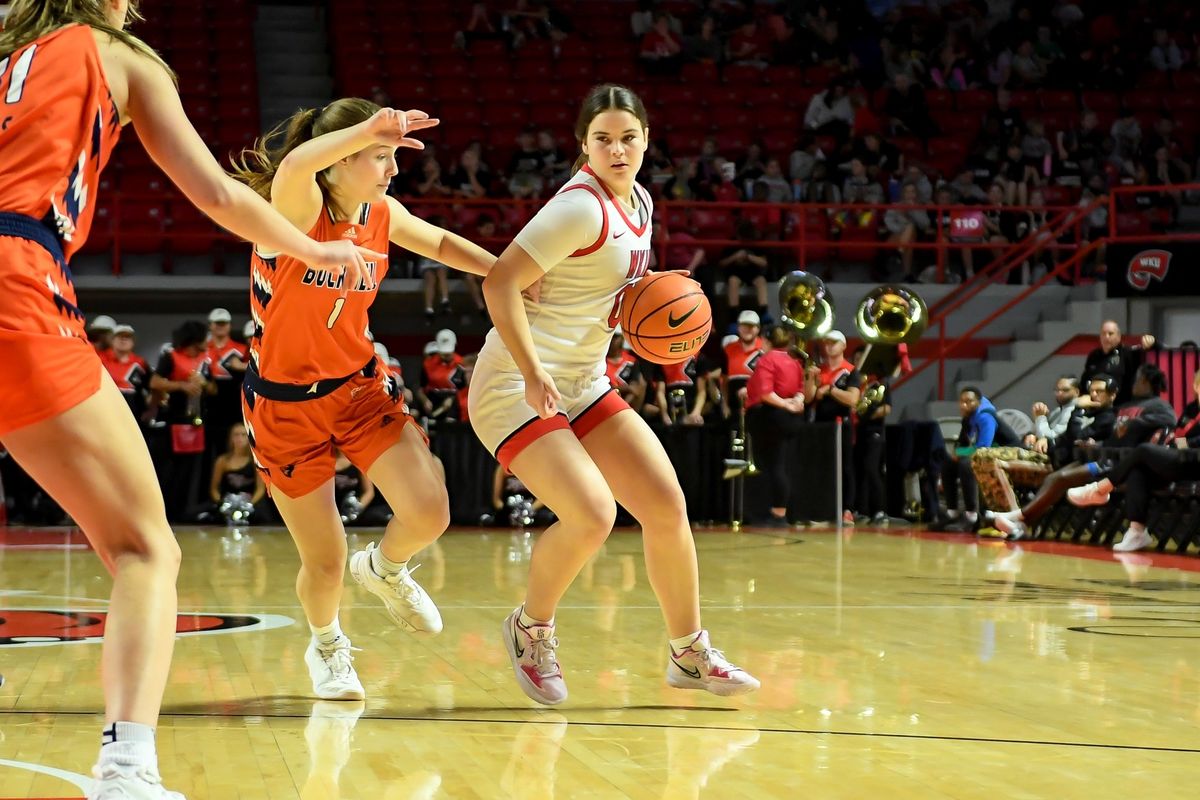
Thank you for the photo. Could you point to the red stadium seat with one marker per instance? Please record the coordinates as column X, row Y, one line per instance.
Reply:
column 1057, row 100
column 974, row 100
column 1100, row 101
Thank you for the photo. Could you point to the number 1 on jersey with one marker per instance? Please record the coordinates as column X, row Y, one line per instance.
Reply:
column 337, row 312
column 20, row 73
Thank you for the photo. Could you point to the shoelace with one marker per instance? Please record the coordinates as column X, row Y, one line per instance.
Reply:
column 712, row 656
column 402, row 582
column 339, row 660
column 543, row 656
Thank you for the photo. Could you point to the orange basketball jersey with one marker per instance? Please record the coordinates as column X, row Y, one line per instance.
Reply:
column 305, row 329
column 58, row 126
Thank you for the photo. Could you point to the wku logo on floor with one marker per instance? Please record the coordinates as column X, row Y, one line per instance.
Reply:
column 29, row 627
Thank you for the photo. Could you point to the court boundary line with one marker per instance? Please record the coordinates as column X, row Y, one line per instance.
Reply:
column 663, row 726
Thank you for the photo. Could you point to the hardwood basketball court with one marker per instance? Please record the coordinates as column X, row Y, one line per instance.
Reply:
column 902, row 665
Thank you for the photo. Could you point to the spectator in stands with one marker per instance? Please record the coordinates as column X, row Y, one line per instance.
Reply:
column 1165, row 55
column 641, row 20
column 1127, row 137
column 661, row 48
column 745, row 265
column 1027, row 67
column 1036, row 148
column 234, row 473
column 767, row 219
column 966, row 190
column 858, row 186
column 182, row 373
column 555, row 165
column 999, row 223
column 683, row 185
column 1090, row 140
column 480, row 27
column 129, row 372
column 706, row 46
column 525, row 167
column 906, row 106
column 485, row 233
column 1136, row 422
column 880, row 158
column 1147, row 468
column 801, row 162
column 227, row 362
column 442, row 376
column 624, row 372
column 100, row 332
column 1015, row 176
column 657, row 166
column 950, row 71
column 751, row 166
column 774, row 413
column 1045, row 254
column 726, row 188
column 741, row 355
column 681, row 391
column 1113, row 358
column 1096, row 225
column 979, row 423
column 778, row 189
column 682, row 252
column 434, row 278
column 1050, row 426
column 470, row 178
column 748, row 46
column 820, row 189
column 430, row 182
column 905, row 223
column 1010, row 121
column 830, row 112
column 1067, row 167
column 832, row 391
column 912, row 174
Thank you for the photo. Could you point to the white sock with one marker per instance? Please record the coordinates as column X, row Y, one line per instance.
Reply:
column 1137, row 527
column 971, row 516
column 327, row 635
column 528, row 621
column 1011, row 516
column 685, row 642
column 383, row 566
column 128, row 744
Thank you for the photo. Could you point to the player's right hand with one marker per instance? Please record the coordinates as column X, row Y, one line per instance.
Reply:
column 542, row 395
column 344, row 256
column 391, row 127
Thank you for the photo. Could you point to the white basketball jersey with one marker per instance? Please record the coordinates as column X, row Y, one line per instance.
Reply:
column 592, row 246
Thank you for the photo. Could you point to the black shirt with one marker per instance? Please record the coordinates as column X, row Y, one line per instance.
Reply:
column 1121, row 364
column 828, row 409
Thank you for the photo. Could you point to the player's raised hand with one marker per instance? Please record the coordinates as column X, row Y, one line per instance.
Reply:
column 542, row 395
column 346, row 258
column 392, row 127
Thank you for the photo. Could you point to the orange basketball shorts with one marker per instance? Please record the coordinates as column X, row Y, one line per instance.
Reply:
column 293, row 442
column 47, row 365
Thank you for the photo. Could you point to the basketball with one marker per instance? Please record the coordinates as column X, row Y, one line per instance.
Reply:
column 666, row 318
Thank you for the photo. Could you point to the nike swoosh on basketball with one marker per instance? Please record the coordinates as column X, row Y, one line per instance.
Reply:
column 675, row 322
column 618, row 235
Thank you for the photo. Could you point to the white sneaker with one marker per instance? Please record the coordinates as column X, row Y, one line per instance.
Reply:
column 1134, row 540
column 129, row 782
column 332, row 671
column 1013, row 529
column 534, row 662
column 702, row 666
column 405, row 600
column 1088, row 495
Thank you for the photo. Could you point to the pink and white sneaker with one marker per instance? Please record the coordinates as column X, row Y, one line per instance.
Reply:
column 531, row 651
column 702, row 666
column 1091, row 494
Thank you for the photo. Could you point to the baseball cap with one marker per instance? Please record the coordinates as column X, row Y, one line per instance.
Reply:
column 219, row 315
column 249, row 328
column 835, row 336
column 446, row 341
column 102, row 323
column 381, row 351
column 730, row 339
column 431, row 348
column 121, row 330
column 749, row 317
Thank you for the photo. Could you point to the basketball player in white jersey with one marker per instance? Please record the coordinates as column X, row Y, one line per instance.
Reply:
column 541, row 403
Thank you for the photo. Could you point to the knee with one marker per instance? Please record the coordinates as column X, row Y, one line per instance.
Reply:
column 152, row 545
column 430, row 515
column 593, row 522
column 327, row 570
column 667, row 512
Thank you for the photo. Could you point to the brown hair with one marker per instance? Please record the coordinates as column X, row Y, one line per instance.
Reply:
column 780, row 337
column 257, row 165
column 31, row 19
column 606, row 97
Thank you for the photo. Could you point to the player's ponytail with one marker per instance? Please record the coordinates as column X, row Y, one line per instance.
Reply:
column 606, row 97
column 31, row 19
column 257, row 165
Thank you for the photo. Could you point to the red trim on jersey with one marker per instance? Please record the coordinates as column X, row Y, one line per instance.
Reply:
column 603, row 230
column 527, row 434
column 590, row 418
column 636, row 230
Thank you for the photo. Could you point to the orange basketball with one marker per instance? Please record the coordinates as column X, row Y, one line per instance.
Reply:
column 666, row 318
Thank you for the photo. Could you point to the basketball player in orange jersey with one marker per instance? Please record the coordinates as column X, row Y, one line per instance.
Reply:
column 541, row 402
column 314, row 381
column 70, row 77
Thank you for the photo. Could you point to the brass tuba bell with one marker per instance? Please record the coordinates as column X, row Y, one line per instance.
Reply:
column 805, row 305
column 891, row 315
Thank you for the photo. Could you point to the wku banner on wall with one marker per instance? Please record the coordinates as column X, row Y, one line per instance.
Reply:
column 1154, row 270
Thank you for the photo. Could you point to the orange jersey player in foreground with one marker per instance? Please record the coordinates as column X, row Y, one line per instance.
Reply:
column 71, row 77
